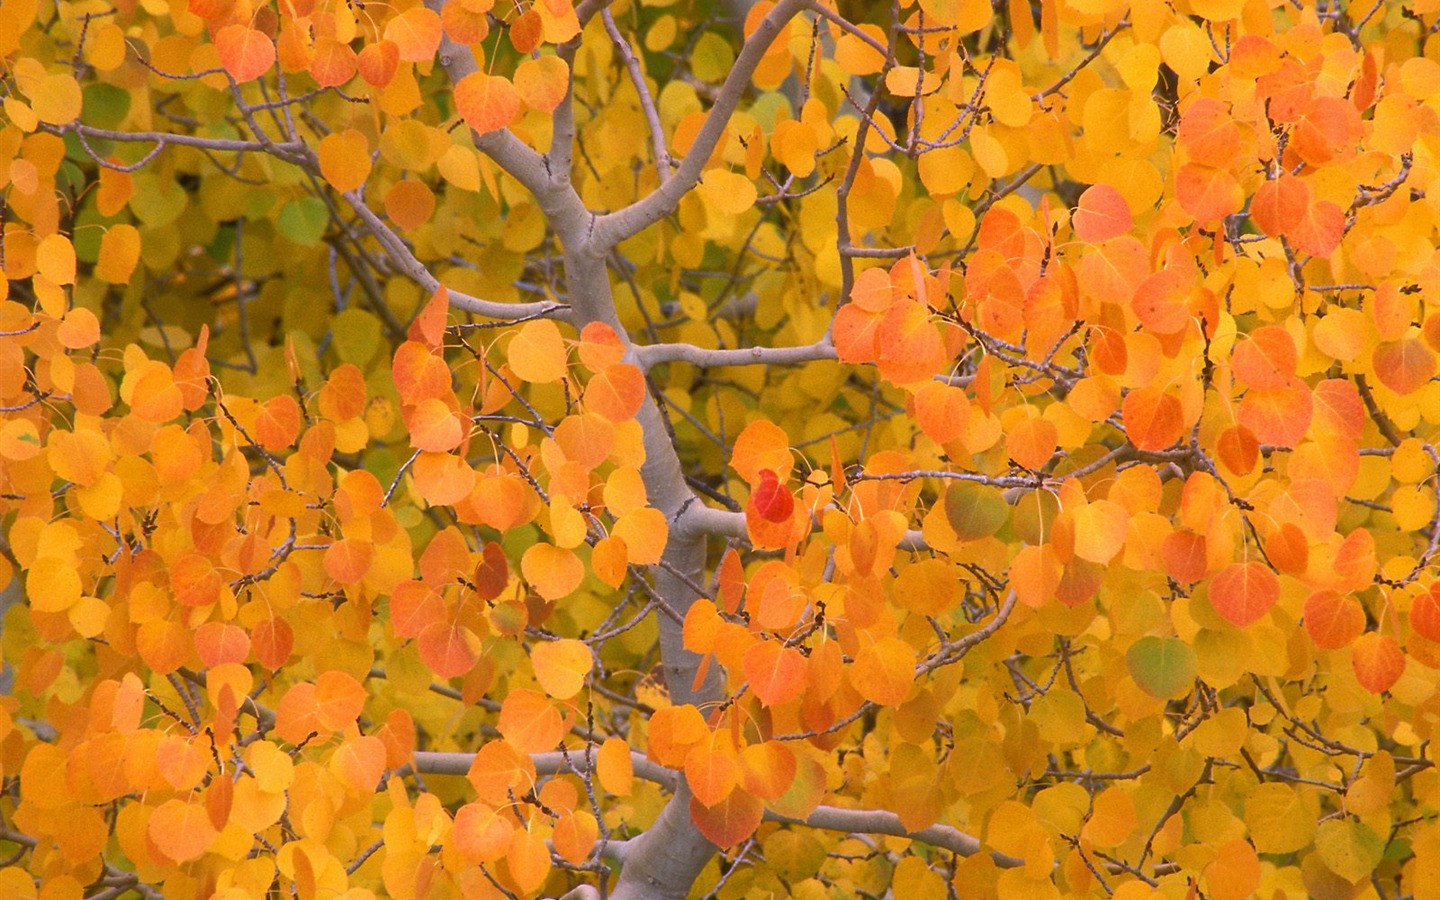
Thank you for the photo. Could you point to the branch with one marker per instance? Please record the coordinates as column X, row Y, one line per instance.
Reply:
column 879, row 821
column 655, row 354
column 663, row 162
column 615, row 227
column 430, row 762
column 413, row 268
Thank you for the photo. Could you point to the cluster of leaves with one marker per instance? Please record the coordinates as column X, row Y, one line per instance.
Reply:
column 1009, row 435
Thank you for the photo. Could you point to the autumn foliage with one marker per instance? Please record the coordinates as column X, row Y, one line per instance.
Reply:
column 666, row 448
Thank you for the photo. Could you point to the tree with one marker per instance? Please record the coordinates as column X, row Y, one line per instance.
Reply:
column 459, row 449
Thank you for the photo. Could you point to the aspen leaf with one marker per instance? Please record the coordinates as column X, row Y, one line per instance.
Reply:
column 712, row 769
column 767, row 769
column 334, row 63
column 537, row 352
column 486, row 102
column 1349, row 848
column 530, row 722
column 728, row 193
column 975, row 510
column 1103, row 214
column 884, row 671
column 776, row 673
column 614, row 767
column 1334, row 620
column 344, row 159
column 617, row 392
column 448, row 649
column 119, row 254
column 1164, row 668
column 244, row 52
column 378, row 62
column 1154, row 419
column 730, row 821
column 771, row 500
column 553, row 571
column 182, row 831
column 575, row 835
column 1278, row 819
column 542, row 83
column 528, row 860
column 481, row 834
column 1404, row 366
column 1242, row 593
column 415, row 34
column 1378, row 662
column 358, row 764
column 562, row 666
column 1279, row 206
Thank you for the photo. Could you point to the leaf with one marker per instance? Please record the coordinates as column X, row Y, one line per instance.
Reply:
column 1164, row 668
column 1404, row 366
column 1278, row 818
column 1154, row 419
column 530, row 722
column 542, row 83
column 884, row 671
column 1102, row 215
column 415, row 34
column 730, row 821
column 182, row 831
column 617, row 392
column 1348, row 848
column 537, row 352
column 244, row 52
column 1242, row 593
column 486, row 102
column 727, row 193
column 344, row 159
column 562, row 666
column 771, row 500
column 975, row 510
column 1334, row 620
column 775, row 673
column 712, row 769
column 1378, row 662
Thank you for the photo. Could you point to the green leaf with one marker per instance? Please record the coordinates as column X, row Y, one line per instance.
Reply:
column 303, row 221
column 1349, row 849
column 357, row 336
column 1162, row 667
column 975, row 510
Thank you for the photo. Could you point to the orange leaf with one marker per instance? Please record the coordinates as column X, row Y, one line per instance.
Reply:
column 486, row 102
column 761, row 446
column 767, row 769
column 1425, row 615
column 884, row 671
column 530, row 721
column 528, row 860
column 1404, row 366
column 1103, row 214
column 244, row 52
column 1334, row 620
column 1265, row 359
column 730, row 821
column 481, row 834
column 448, row 649
column 1154, row 419
column 616, row 393
column 1320, row 229
column 182, row 831
column 377, row 63
column 348, row 561
column 1208, row 133
column 339, row 700
column 776, row 673
column 542, row 83
column 218, row 643
column 1242, row 593
column 554, row 572
column 614, row 767
column 1378, row 661
column 415, row 34
column 712, row 768
column 434, row 426
column 1207, row 194
column 358, row 764
column 1279, row 206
